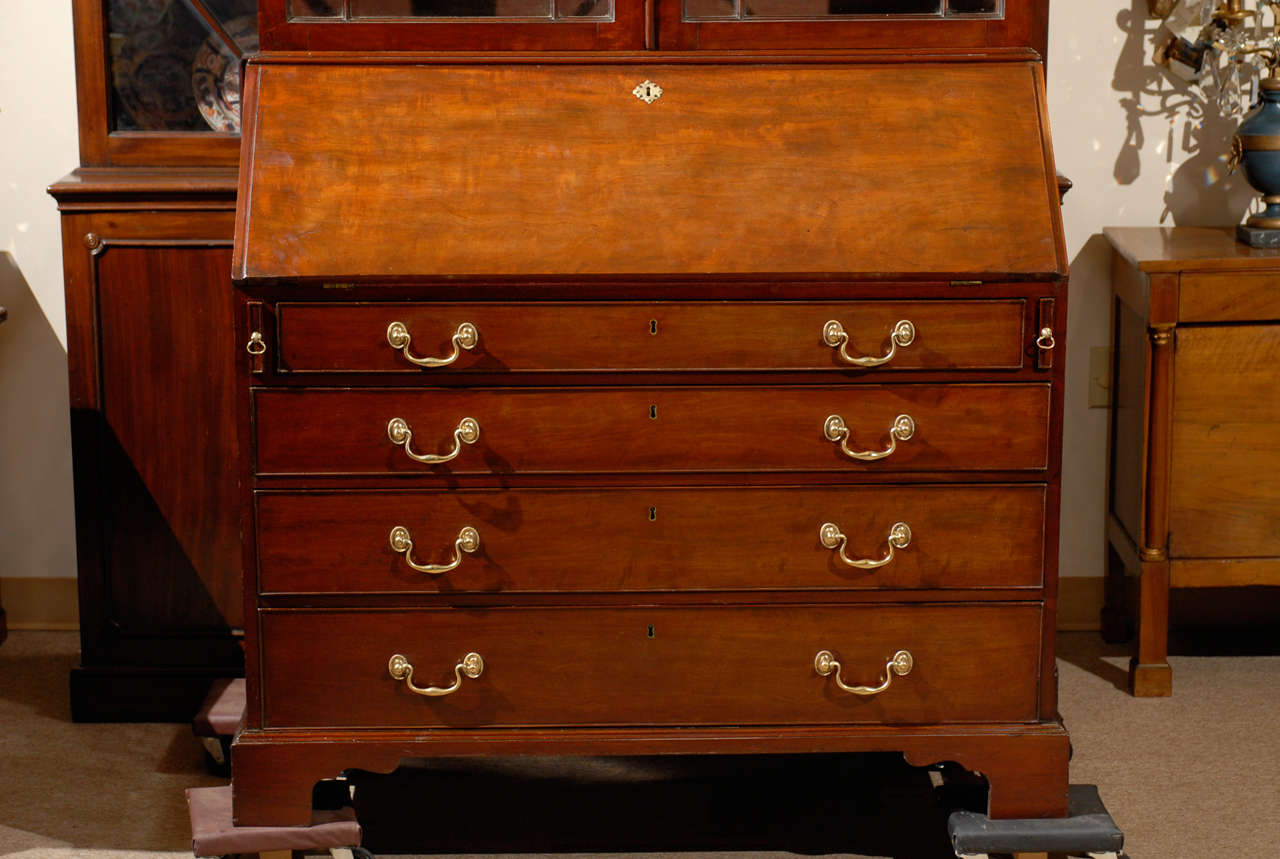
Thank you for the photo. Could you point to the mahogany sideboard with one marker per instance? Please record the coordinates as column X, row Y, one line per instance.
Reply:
column 632, row 386
column 1193, row 497
column 146, row 242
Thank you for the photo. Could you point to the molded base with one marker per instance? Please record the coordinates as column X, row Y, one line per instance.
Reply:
column 275, row 771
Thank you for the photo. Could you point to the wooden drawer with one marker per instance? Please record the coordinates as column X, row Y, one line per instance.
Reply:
column 670, row 429
column 650, row 666
column 659, row 336
column 658, row 539
column 1229, row 296
column 1223, row 501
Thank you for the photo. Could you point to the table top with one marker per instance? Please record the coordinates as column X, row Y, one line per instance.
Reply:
column 1171, row 249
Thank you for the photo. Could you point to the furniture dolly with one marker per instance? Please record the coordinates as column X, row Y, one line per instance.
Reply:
column 213, row 834
column 1087, row 830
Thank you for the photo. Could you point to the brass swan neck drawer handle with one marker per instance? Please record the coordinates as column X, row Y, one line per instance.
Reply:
column 836, row 430
column 900, row 664
column 471, row 665
column 834, row 335
column 465, row 337
column 833, row 538
column 468, row 432
column 468, row 541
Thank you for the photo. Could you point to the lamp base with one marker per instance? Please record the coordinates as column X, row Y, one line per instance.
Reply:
column 1258, row 237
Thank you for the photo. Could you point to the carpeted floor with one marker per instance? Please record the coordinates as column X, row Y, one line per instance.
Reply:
column 1192, row 776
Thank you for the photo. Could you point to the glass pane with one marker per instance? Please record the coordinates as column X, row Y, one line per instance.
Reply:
column 782, row 9
column 153, row 46
column 315, row 8
column 596, row 10
column 175, row 63
column 451, row 8
column 697, row 9
column 986, row 8
column 799, row 10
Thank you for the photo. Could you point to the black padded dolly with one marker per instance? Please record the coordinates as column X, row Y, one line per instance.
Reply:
column 1087, row 830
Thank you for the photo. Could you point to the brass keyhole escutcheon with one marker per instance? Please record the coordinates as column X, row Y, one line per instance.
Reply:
column 648, row 92
column 651, row 630
column 653, row 514
column 653, row 413
column 653, row 326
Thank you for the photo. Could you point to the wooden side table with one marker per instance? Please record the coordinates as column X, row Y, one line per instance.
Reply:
column 1193, row 494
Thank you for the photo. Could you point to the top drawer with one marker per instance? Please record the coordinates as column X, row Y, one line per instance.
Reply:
column 655, row 336
column 1229, row 296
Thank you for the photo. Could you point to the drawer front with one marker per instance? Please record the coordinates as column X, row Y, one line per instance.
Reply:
column 539, row 430
column 1234, row 296
column 650, row 666
column 660, row 336
column 1226, row 443
column 652, row 539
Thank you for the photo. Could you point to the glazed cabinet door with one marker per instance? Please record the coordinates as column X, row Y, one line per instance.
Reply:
column 849, row 24
column 453, row 25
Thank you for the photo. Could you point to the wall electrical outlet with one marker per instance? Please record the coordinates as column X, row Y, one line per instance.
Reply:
column 1100, row 377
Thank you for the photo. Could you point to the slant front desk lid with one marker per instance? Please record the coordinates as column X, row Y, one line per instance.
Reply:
column 371, row 172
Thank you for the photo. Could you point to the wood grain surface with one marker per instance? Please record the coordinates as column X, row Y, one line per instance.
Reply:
column 659, row 539
column 651, row 665
column 1226, row 445
column 683, row 336
column 669, row 429
column 736, row 169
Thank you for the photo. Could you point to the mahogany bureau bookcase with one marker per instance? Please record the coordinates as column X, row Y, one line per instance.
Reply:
column 1193, row 498
column 648, row 378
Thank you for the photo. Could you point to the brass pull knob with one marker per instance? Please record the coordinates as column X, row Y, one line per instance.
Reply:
column 465, row 337
column 1046, row 341
column 834, row 335
column 468, row 541
column 900, row 663
column 468, row 432
column 471, row 665
column 836, row 430
column 833, row 538
column 256, row 345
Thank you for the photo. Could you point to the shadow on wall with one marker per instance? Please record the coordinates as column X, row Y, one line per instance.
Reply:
column 1200, row 191
column 37, row 527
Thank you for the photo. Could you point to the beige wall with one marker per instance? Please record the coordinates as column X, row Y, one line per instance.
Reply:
column 1122, row 133
column 37, row 145
column 1141, row 153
